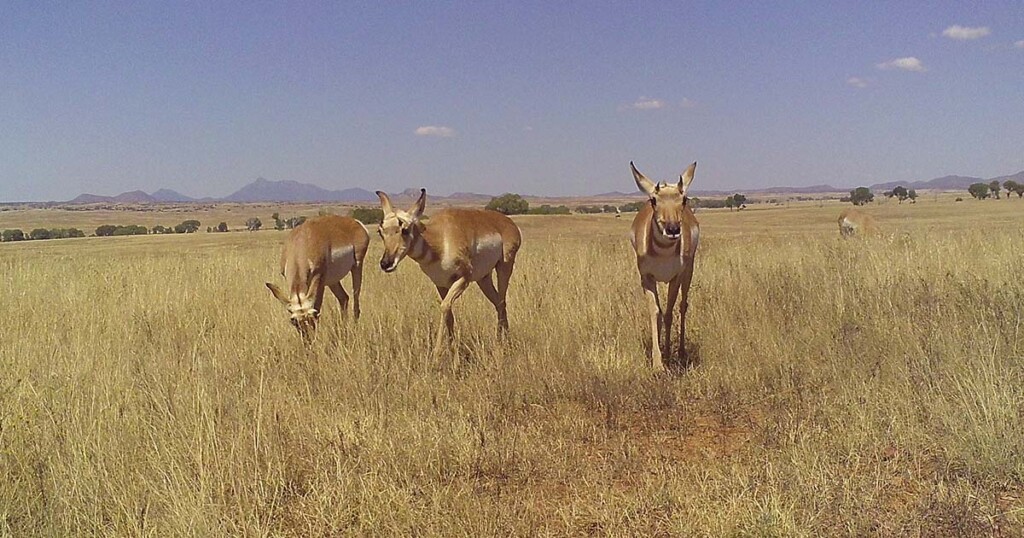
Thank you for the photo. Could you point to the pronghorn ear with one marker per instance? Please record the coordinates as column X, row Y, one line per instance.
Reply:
column 277, row 293
column 417, row 210
column 687, row 177
column 385, row 203
column 645, row 185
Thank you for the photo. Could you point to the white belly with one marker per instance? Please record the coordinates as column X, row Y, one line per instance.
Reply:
column 486, row 254
column 340, row 263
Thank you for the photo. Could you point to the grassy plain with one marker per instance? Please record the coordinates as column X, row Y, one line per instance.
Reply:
column 151, row 386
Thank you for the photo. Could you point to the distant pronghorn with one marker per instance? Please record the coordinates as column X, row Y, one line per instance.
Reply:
column 665, row 235
column 318, row 254
column 455, row 248
column 853, row 221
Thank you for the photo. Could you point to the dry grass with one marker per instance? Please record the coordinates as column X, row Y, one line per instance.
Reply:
column 152, row 386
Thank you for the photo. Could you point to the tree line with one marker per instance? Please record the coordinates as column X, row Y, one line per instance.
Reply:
column 980, row 191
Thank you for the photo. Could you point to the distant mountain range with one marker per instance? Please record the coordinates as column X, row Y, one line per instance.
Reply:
column 263, row 190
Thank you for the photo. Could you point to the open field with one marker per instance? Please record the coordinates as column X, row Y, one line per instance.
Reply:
column 152, row 386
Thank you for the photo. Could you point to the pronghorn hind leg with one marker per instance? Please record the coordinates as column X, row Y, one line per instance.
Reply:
column 487, row 286
column 654, row 309
column 670, row 303
column 684, row 287
column 357, row 286
column 504, row 271
column 339, row 292
column 446, row 331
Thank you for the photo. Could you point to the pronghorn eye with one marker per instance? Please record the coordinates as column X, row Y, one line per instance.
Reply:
column 405, row 231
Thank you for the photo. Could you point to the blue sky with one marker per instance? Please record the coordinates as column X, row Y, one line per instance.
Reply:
column 549, row 98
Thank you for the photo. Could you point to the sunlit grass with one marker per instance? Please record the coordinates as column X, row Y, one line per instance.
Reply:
column 151, row 385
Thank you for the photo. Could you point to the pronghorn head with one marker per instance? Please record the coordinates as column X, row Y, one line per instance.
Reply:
column 667, row 199
column 301, row 306
column 398, row 229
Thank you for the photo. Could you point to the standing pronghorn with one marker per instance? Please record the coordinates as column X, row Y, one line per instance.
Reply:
column 318, row 254
column 855, row 222
column 665, row 235
column 455, row 248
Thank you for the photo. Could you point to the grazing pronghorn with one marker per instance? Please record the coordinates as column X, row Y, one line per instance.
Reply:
column 665, row 235
column 317, row 255
column 455, row 248
column 853, row 221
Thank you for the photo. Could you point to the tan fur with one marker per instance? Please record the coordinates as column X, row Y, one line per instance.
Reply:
column 853, row 221
column 454, row 248
column 665, row 234
column 317, row 255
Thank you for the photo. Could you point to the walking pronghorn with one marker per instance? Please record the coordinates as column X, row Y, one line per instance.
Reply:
column 455, row 248
column 665, row 235
column 853, row 221
column 318, row 254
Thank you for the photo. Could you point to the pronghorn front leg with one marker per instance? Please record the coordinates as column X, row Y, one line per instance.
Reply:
column 670, row 303
column 654, row 309
column 684, row 284
column 447, row 328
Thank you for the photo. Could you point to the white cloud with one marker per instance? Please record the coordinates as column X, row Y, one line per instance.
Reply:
column 965, row 33
column 646, row 103
column 1019, row 44
column 906, row 64
column 435, row 130
column 857, row 82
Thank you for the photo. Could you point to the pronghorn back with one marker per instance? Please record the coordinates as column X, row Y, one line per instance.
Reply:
column 330, row 244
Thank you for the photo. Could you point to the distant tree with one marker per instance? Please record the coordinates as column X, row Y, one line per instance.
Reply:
column 294, row 222
column 993, row 188
column 13, row 235
column 739, row 200
column 632, row 207
column 159, row 229
column 509, row 204
column 222, row 227
column 978, row 190
column 1012, row 186
column 105, row 230
column 39, row 233
column 900, row 192
column 958, row 199
column 730, row 202
column 912, row 194
column 209, row 229
column 608, row 208
column 368, row 215
column 187, row 227
column 589, row 209
column 278, row 223
column 861, row 196
column 253, row 224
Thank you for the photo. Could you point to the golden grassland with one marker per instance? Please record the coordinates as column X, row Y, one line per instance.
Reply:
column 875, row 386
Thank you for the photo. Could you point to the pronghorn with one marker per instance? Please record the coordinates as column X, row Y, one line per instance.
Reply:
column 853, row 221
column 317, row 255
column 455, row 248
column 665, row 235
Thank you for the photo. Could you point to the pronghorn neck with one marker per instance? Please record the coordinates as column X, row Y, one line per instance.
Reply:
column 419, row 250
